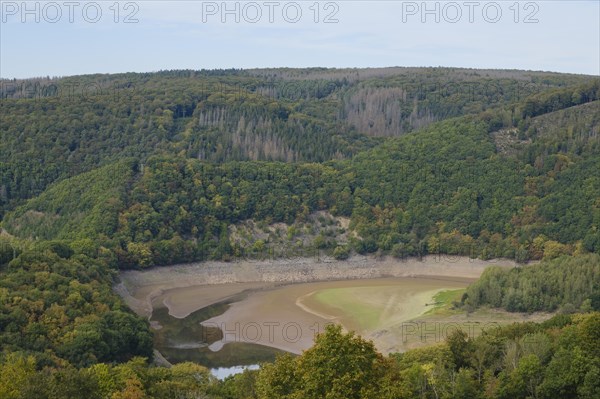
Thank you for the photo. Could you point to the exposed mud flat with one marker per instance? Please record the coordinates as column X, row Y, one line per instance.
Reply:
column 212, row 282
column 288, row 317
column 283, row 305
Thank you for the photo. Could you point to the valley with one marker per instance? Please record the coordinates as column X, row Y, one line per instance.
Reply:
column 437, row 227
column 283, row 304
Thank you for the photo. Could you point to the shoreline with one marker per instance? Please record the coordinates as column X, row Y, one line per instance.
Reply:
column 174, row 286
column 186, row 288
column 274, row 318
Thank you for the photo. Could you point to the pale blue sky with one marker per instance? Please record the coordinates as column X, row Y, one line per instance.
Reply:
column 192, row 35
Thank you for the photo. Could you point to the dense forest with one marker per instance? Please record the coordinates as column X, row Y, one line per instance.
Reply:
column 106, row 172
column 557, row 358
column 568, row 283
column 53, row 129
column 445, row 189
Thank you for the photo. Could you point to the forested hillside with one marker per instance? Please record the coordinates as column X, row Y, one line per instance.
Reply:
column 557, row 358
column 568, row 283
column 57, row 306
column 106, row 172
column 53, row 129
column 452, row 187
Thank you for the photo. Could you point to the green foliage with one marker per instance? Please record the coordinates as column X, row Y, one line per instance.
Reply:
column 542, row 287
column 15, row 371
column 537, row 366
column 341, row 252
column 338, row 365
column 444, row 186
column 238, row 386
column 81, row 207
column 342, row 365
column 58, row 305
column 134, row 379
column 443, row 189
column 558, row 99
column 156, row 168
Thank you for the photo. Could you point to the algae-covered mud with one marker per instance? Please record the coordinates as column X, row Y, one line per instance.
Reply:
column 288, row 317
column 232, row 314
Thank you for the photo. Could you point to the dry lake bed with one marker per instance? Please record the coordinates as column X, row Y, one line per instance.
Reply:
column 282, row 304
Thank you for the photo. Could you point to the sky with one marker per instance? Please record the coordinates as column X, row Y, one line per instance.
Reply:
column 68, row 37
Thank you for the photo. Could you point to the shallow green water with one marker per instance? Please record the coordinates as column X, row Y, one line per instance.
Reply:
column 181, row 340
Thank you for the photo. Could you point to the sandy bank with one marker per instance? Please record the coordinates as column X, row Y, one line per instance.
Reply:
column 288, row 317
column 177, row 286
column 282, row 314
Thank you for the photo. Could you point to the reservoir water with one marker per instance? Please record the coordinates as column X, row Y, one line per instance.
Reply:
column 253, row 326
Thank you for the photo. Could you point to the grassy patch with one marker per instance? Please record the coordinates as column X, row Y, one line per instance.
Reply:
column 443, row 300
column 370, row 308
column 432, row 327
column 345, row 299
